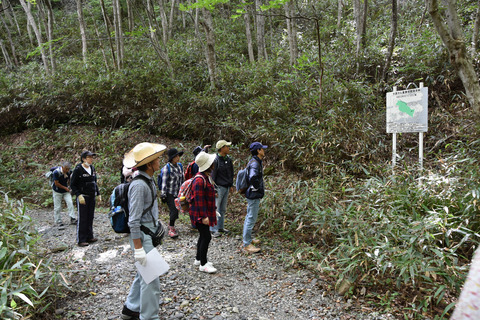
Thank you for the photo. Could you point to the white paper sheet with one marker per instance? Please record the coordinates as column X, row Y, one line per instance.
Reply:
column 154, row 267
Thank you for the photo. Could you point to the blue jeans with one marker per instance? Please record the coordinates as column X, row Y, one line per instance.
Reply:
column 221, row 203
column 252, row 214
column 144, row 297
column 57, row 205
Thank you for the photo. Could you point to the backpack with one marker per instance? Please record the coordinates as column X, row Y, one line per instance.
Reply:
column 188, row 173
column 182, row 201
column 241, row 184
column 49, row 174
column 119, row 212
column 160, row 176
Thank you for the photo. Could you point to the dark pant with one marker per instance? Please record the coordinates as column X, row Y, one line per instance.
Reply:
column 85, row 219
column 172, row 208
column 203, row 242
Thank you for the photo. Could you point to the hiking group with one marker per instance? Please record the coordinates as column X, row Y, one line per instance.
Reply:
column 202, row 190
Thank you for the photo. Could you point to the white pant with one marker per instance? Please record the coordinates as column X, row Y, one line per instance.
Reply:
column 57, row 206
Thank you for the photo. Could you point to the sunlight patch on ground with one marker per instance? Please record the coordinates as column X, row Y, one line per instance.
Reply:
column 78, row 253
column 107, row 255
column 171, row 256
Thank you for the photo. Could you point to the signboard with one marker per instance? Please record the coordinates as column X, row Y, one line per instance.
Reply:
column 407, row 110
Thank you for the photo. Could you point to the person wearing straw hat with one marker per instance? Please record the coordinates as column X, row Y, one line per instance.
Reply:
column 222, row 175
column 84, row 185
column 202, row 209
column 142, row 300
column 169, row 181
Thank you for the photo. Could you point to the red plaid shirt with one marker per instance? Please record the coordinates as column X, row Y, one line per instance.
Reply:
column 202, row 202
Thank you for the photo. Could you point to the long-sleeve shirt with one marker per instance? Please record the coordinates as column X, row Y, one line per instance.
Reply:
column 83, row 182
column 139, row 199
column 172, row 178
column 222, row 175
column 202, row 203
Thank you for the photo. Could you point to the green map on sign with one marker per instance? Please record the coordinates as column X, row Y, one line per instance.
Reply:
column 403, row 107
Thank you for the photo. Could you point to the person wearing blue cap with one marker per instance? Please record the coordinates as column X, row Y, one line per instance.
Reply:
column 254, row 193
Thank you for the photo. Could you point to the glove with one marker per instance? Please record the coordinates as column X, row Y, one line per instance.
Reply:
column 99, row 197
column 218, row 214
column 141, row 256
column 81, row 199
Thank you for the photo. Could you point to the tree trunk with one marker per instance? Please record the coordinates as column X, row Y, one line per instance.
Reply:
column 248, row 33
column 210, row 47
column 107, row 26
column 6, row 57
column 48, row 6
column 476, row 28
column 360, row 12
column 131, row 24
column 117, row 22
column 292, row 32
column 100, row 43
column 83, row 34
column 29, row 26
column 453, row 39
column 391, row 45
column 260, row 27
column 163, row 19
column 339, row 14
column 170, row 21
column 10, row 41
column 33, row 24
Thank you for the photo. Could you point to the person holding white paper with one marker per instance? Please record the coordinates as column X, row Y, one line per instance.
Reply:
column 142, row 301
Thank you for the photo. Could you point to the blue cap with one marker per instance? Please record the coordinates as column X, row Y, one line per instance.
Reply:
column 257, row 146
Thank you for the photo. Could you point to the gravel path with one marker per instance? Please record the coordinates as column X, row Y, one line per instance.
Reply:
column 245, row 287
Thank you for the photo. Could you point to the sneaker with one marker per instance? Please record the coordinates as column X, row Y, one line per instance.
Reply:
column 251, row 249
column 83, row 244
column 196, row 263
column 256, row 241
column 128, row 314
column 226, row 231
column 208, row 268
column 216, row 234
column 172, row 232
column 73, row 221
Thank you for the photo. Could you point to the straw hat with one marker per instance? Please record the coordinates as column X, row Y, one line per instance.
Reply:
column 143, row 153
column 204, row 160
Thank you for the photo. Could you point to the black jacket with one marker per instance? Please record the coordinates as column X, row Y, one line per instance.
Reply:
column 222, row 175
column 84, row 183
column 256, row 189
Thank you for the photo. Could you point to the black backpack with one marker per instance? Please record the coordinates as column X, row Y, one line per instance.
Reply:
column 119, row 212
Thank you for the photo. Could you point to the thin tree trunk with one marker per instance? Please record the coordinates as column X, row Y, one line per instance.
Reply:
column 7, row 3
column 29, row 26
column 197, row 31
column 248, row 33
column 391, row 45
column 50, row 34
column 292, row 32
column 210, row 47
column 118, row 32
column 6, row 57
column 33, row 24
column 339, row 14
column 100, row 43
column 260, row 28
column 83, row 34
column 163, row 19
column 453, row 39
column 105, row 19
column 131, row 24
column 360, row 13
column 170, row 21
column 476, row 28
column 10, row 41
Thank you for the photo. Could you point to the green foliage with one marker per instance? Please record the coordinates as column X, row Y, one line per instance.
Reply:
column 28, row 284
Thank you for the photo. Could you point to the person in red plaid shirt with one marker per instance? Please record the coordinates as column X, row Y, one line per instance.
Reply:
column 202, row 209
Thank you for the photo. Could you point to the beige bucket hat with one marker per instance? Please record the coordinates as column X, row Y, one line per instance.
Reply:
column 143, row 153
column 204, row 160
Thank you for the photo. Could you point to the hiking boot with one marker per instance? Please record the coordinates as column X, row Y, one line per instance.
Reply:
column 128, row 314
column 207, row 268
column 256, row 241
column 216, row 234
column 172, row 232
column 83, row 244
column 226, row 231
column 92, row 240
column 251, row 249
column 196, row 262
column 73, row 221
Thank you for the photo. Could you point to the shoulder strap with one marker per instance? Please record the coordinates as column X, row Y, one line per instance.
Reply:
column 153, row 197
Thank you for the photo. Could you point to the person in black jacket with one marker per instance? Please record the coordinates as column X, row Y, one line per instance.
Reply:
column 84, row 186
column 254, row 193
column 222, row 175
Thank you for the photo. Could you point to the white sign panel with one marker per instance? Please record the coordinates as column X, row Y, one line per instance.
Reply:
column 407, row 111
